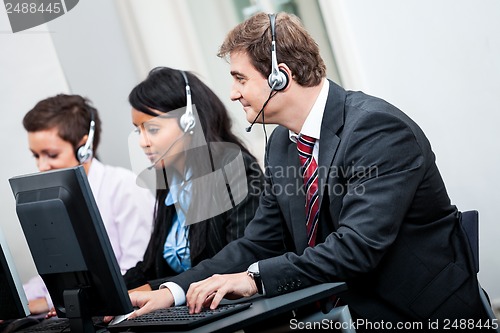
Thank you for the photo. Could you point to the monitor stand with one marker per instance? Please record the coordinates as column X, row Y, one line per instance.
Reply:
column 75, row 302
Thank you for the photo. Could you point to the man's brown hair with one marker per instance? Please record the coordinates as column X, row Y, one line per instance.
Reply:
column 294, row 47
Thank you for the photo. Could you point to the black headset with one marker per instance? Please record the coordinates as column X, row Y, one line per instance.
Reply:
column 278, row 79
column 187, row 120
column 85, row 152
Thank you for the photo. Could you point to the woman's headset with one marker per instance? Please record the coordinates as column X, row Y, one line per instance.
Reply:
column 187, row 120
column 85, row 152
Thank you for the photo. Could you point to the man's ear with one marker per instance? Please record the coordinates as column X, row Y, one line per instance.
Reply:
column 288, row 74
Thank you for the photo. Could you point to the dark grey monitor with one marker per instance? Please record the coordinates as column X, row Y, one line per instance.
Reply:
column 69, row 245
column 13, row 302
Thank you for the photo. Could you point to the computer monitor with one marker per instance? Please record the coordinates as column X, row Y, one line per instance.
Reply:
column 69, row 245
column 13, row 302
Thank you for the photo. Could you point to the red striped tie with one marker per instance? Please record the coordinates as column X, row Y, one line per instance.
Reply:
column 309, row 171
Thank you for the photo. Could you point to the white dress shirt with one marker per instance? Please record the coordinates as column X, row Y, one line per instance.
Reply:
column 127, row 214
column 312, row 124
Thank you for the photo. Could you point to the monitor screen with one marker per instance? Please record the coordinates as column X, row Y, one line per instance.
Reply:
column 13, row 302
column 69, row 244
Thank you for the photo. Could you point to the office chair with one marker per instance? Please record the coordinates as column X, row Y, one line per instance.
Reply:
column 469, row 221
column 338, row 314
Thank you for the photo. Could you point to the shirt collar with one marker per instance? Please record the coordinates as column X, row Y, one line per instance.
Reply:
column 95, row 175
column 179, row 191
column 95, row 168
column 312, row 125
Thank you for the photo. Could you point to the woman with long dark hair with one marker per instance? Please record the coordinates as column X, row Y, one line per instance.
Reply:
column 207, row 182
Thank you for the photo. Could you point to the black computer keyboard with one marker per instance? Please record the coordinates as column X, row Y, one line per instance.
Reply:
column 177, row 318
column 49, row 325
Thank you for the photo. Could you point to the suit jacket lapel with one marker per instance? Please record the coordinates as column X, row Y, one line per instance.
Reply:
column 333, row 120
column 297, row 201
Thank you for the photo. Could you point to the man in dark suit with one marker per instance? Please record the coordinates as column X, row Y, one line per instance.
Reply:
column 379, row 217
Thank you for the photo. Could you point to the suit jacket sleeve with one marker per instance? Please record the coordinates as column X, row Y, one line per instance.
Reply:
column 232, row 258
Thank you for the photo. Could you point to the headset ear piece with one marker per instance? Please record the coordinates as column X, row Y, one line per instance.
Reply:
column 278, row 81
column 84, row 154
column 284, row 81
column 187, row 122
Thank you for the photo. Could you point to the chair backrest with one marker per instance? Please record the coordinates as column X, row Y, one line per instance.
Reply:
column 470, row 223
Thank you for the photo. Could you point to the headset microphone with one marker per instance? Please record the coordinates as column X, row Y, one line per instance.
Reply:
column 166, row 151
column 249, row 128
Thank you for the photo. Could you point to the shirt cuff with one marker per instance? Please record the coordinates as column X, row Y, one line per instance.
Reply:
column 255, row 268
column 49, row 302
column 177, row 292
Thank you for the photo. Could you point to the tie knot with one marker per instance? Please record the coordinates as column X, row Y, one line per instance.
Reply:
column 305, row 145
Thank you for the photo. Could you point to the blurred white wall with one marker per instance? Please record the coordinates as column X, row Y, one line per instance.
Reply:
column 437, row 61
column 29, row 71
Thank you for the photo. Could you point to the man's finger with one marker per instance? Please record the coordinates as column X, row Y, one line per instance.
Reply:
column 208, row 300
column 138, row 312
column 107, row 319
column 219, row 295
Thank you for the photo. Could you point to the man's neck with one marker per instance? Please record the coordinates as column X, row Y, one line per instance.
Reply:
column 299, row 103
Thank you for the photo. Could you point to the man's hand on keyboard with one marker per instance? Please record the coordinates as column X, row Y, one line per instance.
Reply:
column 144, row 287
column 209, row 292
column 148, row 301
